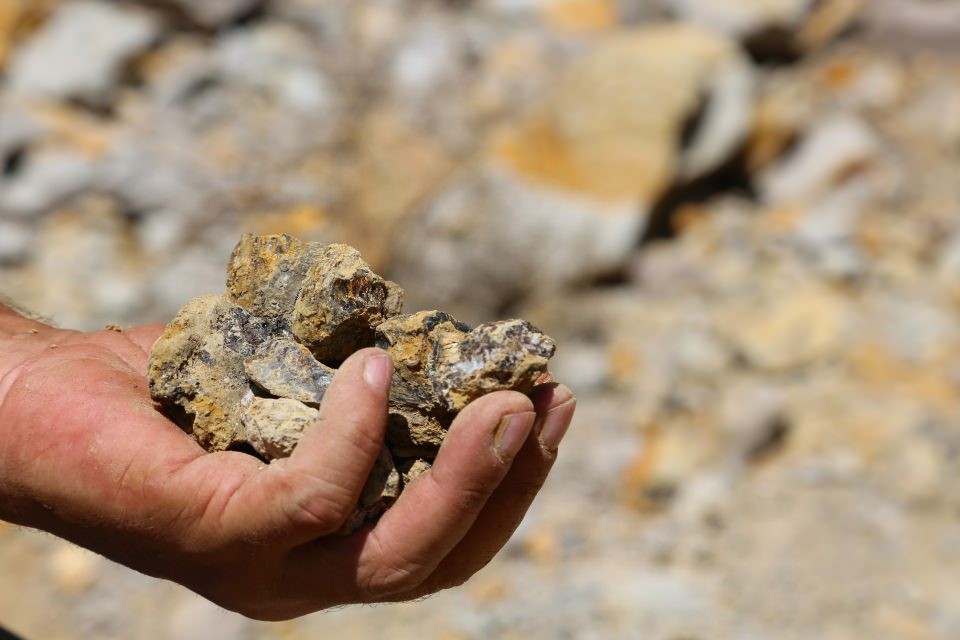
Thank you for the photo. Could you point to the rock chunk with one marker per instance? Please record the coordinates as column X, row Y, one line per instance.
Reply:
column 244, row 369
column 266, row 273
column 562, row 194
column 341, row 302
column 274, row 426
column 418, row 417
column 286, row 369
column 81, row 51
column 196, row 368
column 497, row 355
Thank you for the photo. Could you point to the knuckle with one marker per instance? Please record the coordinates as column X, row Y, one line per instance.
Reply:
column 315, row 513
column 392, row 574
column 311, row 506
column 471, row 499
column 391, row 580
column 358, row 436
column 526, row 492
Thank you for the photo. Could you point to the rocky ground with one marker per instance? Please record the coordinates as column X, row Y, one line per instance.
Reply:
column 739, row 220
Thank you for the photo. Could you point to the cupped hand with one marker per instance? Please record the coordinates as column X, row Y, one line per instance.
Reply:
column 84, row 454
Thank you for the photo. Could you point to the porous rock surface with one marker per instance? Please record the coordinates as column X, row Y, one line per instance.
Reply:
column 248, row 370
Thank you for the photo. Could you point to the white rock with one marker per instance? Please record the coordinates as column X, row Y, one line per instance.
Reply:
column 704, row 499
column 17, row 129
column 16, row 240
column 582, row 366
column 47, row 179
column 563, row 194
column 427, row 58
column 281, row 61
column 81, row 51
column 830, row 152
column 750, row 413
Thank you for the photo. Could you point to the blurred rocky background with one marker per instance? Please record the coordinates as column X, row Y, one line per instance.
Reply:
column 739, row 219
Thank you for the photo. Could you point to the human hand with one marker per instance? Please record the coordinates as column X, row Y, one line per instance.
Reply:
column 85, row 455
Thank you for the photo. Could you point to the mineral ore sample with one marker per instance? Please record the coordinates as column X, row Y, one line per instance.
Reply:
column 274, row 426
column 341, row 302
column 248, row 370
column 285, row 368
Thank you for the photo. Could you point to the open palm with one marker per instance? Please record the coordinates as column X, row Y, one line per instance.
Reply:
column 85, row 455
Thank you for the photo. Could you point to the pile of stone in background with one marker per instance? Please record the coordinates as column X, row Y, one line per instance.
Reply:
column 740, row 220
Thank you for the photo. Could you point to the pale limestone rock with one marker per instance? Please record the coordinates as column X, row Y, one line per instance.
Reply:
column 563, row 194
column 275, row 426
column 831, row 152
column 81, row 51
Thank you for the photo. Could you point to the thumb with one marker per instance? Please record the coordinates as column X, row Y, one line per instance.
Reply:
column 312, row 493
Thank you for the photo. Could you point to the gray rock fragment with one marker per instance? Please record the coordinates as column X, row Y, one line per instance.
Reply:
column 286, row 369
column 196, row 368
column 511, row 354
column 82, row 50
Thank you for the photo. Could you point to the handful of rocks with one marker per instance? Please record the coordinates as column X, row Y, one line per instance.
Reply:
column 247, row 370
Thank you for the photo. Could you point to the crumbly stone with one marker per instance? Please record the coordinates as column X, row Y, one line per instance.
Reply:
column 381, row 490
column 196, row 369
column 418, row 419
column 511, row 354
column 274, row 426
column 341, row 302
column 286, row 369
column 249, row 368
column 266, row 273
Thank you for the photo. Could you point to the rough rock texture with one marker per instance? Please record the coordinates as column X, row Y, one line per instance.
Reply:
column 418, row 416
column 341, row 303
column 267, row 272
column 493, row 356
column 197, row 371
column 81, row 52
column 244, row 368
column 565, row 192
column 274, row 426
column 285, row 368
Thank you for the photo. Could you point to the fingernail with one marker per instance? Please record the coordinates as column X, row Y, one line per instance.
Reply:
column 555, row 424
column 377, row 371
column 511, row 433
